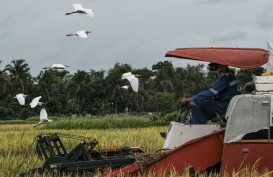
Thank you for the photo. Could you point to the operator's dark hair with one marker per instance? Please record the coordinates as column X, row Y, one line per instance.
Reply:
column 214, row 66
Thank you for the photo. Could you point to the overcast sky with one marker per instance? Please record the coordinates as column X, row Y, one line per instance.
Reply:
column 136, row 32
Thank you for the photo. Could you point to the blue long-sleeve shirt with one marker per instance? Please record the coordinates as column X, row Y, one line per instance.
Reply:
column 222, row 90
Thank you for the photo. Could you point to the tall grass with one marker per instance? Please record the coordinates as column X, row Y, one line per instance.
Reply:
column 104, row 123
column 93, row 122
column 17, row 154
column 17, row 150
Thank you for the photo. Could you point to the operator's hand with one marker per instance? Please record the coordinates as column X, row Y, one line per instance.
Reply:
column 185, row 101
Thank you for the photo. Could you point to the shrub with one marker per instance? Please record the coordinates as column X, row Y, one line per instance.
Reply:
column 24, row 114
column 9, row 112
column 173, row 115
column 6, row 113
column 170, row 116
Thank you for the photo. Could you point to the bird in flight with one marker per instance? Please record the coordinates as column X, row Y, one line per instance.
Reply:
column 36, row 102
column 79, row 9
column 270, row 60
column 57, row 66
column 81, row 33
column 269, row 47
column 125, row 87
column 21, row 98
column 132, row 79
column 43, row 118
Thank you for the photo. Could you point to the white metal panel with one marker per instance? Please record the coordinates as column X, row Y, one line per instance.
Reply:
column 179, row 134
column 264, row 93
column 246, row 114
column 264, row 87
column 263, row 79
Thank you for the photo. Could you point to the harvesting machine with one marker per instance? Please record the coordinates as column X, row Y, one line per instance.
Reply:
column 242, row 138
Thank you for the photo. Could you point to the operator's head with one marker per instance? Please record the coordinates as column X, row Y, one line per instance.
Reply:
column 217, row 68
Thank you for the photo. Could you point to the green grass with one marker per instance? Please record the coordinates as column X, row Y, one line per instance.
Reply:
column 104, row 123
column 92, row 122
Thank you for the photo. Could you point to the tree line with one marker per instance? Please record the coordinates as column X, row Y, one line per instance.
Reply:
column 100, row 92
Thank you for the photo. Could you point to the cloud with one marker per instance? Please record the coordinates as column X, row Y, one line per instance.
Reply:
column 230, row 36
column 220, row 1
column 265, row 18
column 209, row 1
column 133, row 32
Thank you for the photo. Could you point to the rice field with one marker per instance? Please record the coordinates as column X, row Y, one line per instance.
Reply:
column 17, row 150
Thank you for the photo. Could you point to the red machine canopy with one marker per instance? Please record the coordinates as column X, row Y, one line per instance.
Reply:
column 244, row 58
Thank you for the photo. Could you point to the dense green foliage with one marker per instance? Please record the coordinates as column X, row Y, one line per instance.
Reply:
column 105, row 122
column 100, row 92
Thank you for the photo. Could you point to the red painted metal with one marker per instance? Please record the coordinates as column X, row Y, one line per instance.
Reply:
column 238, row 156
column 132, row 169
column 200, row 154
column 245, row 58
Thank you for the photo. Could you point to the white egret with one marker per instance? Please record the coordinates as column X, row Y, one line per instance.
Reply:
column 43, row 117
column 125, row 87
column 57, row 66
column 126, row 75
column 81, row 33
column 79, row 9
column 21, row 98
column 36, row 102
column 129, row 74
column 269, row 47
column 270, row 60
column 132, row 79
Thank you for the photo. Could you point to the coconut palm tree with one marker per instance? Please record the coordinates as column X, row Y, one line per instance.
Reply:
column 113, row 80
column 164, row 74
column 98, row 82
column 80, row 87
column 19, row 75
column 5, row 84
column 44, row 81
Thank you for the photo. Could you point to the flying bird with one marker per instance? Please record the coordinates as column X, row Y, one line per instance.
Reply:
column 125, row 87
column 129, row 74
column 36, row 102
column 126, row 75
column 21, row 98
column 43, row 118
column 81, row 33
column 132, row 79
column 79, row 9
column 269, row 47
column 270, row 60
column 57, row 67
